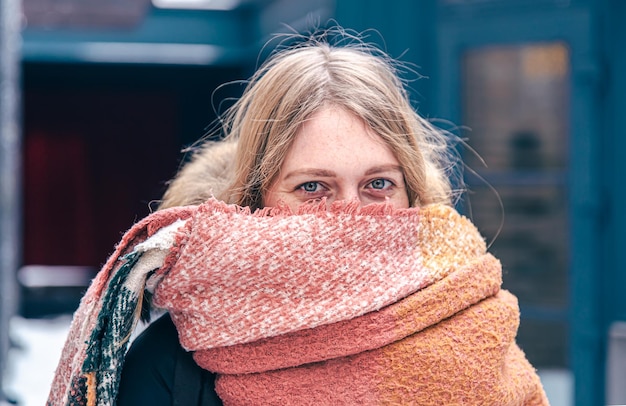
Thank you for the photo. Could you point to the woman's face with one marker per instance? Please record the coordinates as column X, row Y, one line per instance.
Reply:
column 336, row 156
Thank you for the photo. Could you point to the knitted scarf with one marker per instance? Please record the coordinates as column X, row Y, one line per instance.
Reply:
column 325, row 306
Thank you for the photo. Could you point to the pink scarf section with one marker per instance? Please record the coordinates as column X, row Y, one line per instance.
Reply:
column 338, row 305
column 239, row 278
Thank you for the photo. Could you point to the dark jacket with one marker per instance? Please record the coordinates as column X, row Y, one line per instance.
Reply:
column 159, row 372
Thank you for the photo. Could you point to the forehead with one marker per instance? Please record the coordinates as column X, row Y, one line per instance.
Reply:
column 333, row 135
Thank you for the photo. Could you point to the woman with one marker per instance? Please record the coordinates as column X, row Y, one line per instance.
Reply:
column 310, row 258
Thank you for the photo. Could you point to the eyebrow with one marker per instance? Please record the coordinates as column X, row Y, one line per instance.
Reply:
column 324, row 173
column 384, row 168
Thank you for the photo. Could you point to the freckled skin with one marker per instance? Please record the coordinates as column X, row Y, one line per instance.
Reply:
column 336, row 156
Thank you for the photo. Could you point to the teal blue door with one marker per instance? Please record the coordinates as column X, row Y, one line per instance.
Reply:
column 523, row 82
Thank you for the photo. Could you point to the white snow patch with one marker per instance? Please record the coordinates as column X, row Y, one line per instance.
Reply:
column 31, row 364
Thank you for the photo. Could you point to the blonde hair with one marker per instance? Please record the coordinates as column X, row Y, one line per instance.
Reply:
column 297, row 81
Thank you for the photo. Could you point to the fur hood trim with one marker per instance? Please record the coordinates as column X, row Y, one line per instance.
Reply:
column 206, row 175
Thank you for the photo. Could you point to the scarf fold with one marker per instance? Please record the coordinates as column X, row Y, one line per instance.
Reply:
column 337, row 305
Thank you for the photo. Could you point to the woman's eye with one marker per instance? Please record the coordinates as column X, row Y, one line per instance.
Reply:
column 310, row 187
column 380, row 184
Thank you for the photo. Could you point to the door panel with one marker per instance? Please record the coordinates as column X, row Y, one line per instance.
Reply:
column 521, row 81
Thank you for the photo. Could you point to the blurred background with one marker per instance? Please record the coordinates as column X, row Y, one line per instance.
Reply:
column 98, row 98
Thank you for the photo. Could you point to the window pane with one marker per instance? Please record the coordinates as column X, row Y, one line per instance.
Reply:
column 515, row 100
column 516, row 105
column 550, row 353
column 532, row 242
